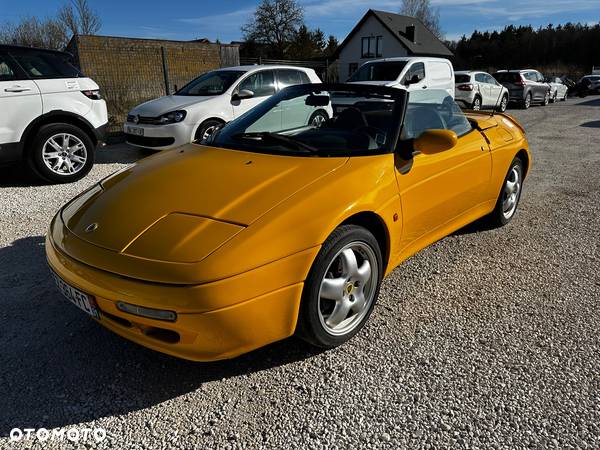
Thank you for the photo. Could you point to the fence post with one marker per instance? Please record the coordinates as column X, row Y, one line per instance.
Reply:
column 165, row 63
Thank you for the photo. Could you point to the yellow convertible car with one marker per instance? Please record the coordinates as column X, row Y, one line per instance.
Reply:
column 281, row 223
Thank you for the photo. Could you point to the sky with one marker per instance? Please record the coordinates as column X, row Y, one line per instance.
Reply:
column 189, row 19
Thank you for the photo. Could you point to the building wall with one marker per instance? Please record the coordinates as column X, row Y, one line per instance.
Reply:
column 131, row 71
column 352, row 52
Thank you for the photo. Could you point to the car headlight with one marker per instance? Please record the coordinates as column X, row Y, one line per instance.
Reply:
column 172, row 117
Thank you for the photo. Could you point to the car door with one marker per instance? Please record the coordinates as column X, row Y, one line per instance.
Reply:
column 415, row 72
column 435, row 190
column 18, row 95
column 495, row 90
column 541, row 85
column 483, row 88
column 261, row 83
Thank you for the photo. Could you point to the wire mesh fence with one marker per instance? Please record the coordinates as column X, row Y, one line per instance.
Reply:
column 131, row 71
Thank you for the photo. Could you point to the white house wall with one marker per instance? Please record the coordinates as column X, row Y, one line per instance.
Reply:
column 352, row 52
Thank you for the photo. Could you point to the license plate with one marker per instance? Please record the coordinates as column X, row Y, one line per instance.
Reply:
column 80, row 299
column 135, row 131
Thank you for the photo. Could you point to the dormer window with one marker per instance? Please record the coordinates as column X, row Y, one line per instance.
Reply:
column 372, row 47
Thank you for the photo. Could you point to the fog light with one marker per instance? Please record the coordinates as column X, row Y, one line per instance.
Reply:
column 158, row 314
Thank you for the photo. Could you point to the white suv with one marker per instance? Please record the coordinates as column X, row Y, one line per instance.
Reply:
column 479, row 90
column 51, row 116
column 214, row 98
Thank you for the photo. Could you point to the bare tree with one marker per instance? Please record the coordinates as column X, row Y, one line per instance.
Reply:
column 275, row 22
column 422, row 9
column 52, row 32
column 78, row 18
column 34, row 32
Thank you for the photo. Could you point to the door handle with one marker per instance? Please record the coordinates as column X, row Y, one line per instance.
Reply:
column 424, row 87
column 17, row 89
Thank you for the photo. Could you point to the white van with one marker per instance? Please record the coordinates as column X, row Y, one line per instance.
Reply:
column 410, row 73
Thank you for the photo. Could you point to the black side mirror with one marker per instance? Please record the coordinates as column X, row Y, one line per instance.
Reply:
column 412, row 80
column 242, row 95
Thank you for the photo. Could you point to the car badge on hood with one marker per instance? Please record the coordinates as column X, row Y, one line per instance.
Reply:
column 91, row 227
column 136, row 119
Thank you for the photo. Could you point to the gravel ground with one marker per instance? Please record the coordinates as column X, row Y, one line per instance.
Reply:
column 487, row 339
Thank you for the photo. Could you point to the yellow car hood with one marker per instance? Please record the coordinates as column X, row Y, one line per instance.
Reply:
column 181, row 205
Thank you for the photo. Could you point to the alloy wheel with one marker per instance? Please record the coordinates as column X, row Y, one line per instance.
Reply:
column 318, row 120
column 503, row 104
column 64, row 154
column 208, row 132
column 511, row 192
column 348, row 288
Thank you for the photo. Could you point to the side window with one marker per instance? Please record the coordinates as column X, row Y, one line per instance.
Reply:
column 304, row 78
column 529, row 76
column 6, row 71
column 289, row 77
column 261, row 83
column 433, row 110
column 479, row 77
column 352, row 67
column 45, row 64
column 489, row 79
column 417, row 69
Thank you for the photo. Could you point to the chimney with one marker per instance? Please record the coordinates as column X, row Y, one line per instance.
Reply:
column 411, row 33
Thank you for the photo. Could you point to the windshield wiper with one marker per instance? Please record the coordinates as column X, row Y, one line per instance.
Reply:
column 278, row 138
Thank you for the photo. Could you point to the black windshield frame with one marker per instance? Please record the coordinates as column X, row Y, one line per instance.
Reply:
column 399, row 96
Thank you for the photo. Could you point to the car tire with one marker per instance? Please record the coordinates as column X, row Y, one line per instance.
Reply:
column 503, row 104
column 61, row 153
column 341, row 288
column 546, row 99
column 476, row 106
column 206, row 129
column 318, row 118
column 527, row 101
column 510, row 194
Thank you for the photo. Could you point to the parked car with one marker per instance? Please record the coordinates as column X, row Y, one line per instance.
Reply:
column 410, row 73
column 558, row 89
column 274, row 229
column 479, row 90
column 196, row 110
column 592, row 82
column 525, row 87
column 52, row 116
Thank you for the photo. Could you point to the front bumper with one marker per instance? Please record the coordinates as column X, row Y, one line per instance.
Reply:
column 159, row 137
column 101, row 134
column 209, row 335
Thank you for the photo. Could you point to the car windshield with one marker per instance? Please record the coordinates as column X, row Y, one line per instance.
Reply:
column 592, row 77
column 379, row 71
column 319, row 120
column 462, row 78
column 339, row 120
column 211, row 83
